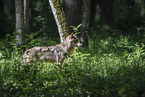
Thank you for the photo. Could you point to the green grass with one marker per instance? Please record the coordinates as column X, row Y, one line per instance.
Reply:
column 110, row 67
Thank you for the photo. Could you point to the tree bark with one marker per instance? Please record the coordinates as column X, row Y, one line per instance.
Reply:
column 85, row 21
column 45, row 15
column 93, row 7
column 107, row 13
column 130, row 4
column 73, row 10
column 77, row 12
column 19, row 22
column 27, row 15
column 60, row 19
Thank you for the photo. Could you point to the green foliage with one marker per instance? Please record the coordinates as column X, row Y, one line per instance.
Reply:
column 75, row 29
column 110, row 67
column 34, row 39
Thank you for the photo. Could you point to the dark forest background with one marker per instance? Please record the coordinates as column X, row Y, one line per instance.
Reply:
column 111, row 16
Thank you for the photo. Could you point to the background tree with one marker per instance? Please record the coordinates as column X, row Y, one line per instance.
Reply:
column 19, row 22
column 46, row 15
column 77, row 12
column 93, row 6
column 106, row 13
column 73, row 10
column 27, row 16
column 85, row 21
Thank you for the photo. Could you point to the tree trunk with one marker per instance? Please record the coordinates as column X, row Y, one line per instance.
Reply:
column 93, row 7
column 85, row 22
column 107, row 13
column 73, row 9
column 27, row 14
column 60, row 19
column 130, row 4
column 45, row 15
column 19, row 22
column 77, row 12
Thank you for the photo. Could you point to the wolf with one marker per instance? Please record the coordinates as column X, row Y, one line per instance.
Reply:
column 55, row 53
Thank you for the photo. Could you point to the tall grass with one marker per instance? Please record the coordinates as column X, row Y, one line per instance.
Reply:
column 109, row 67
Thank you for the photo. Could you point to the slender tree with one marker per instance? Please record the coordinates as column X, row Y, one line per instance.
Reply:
column 77, row 12
column 27, row 16
column 60, row 19
column 45, row 15
column 106, row 13
column 93, row 7
column 85, row 21
column 19, row 22
column 73, row 10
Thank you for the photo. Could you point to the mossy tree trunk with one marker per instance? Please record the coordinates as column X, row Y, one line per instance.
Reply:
column 60, row 19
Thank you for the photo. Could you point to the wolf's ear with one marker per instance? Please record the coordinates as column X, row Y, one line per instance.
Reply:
column 75, row 34
column 69, row 36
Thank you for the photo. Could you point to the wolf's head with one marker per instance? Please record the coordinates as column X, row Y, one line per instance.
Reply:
column 73, row 40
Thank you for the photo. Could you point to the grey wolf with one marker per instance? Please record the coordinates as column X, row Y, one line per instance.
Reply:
column 55, row 53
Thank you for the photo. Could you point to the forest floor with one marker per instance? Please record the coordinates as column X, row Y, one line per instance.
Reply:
column 112, row 66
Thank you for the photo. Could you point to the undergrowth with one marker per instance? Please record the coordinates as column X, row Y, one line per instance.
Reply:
column 109, row 67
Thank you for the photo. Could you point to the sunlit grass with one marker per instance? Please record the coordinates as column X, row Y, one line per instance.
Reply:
column 108, row 67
